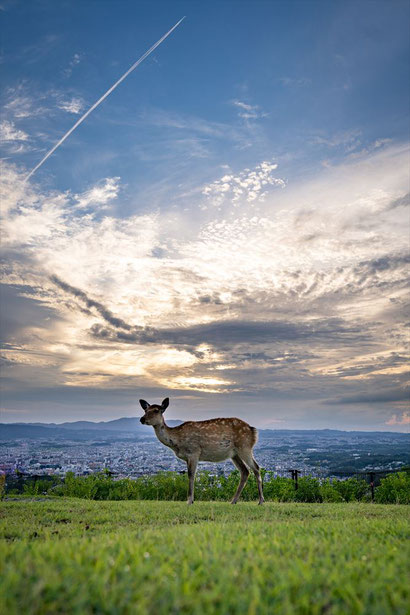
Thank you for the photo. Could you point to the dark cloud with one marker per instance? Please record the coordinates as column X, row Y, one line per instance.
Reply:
column 137, row 335
column 384, row 263
column 215, row 299
column 222, row 334
column 388, row 272
column 403, row 201
column 19, row 310
column 264, row 357
column 310, row 237
column 374, row 364
column 90, row 303
column 389, row 395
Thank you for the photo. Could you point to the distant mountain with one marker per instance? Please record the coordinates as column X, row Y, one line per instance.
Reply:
column 129, row 427
column 123, row 424
column 80, row 430
column 14, row 431
column 329, row 433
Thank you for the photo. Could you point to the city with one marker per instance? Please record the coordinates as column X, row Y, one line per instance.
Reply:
column 53, row 450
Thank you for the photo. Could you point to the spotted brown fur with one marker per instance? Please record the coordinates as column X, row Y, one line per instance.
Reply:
column 211, row 440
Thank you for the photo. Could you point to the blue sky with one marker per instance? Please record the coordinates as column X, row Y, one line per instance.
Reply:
column 228, row 228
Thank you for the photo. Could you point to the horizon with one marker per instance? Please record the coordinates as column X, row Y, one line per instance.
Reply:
column 97, row 422
column 229, row 228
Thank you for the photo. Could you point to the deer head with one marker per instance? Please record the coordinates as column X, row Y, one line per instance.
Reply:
column 153, row 413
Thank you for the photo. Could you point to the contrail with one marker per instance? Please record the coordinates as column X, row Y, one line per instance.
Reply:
column 103, row 97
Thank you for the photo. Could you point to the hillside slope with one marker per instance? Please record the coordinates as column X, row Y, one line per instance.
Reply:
column 77, row 556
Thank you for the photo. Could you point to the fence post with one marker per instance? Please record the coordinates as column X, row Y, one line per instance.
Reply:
column 19, row 481
column 295, row 477
column 372, row 484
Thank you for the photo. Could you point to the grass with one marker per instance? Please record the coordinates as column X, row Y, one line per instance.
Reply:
column 143, row 557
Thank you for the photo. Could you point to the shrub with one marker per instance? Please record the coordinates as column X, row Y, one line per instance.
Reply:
column 394, row 489
column 329, row 492
column 39, row 486
column 351, row 489
column 309, row 490
column 279, row 489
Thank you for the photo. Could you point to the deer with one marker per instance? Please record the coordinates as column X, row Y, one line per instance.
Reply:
column 211, row 440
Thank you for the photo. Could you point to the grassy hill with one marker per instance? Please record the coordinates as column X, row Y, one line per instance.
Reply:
column 147, row 557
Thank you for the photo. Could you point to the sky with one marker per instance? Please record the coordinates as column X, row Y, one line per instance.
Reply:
column 229, row 228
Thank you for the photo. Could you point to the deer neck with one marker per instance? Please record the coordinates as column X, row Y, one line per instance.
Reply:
column 163, row 433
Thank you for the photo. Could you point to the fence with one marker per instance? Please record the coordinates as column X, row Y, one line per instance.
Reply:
column 18, row 479
column 372, row 474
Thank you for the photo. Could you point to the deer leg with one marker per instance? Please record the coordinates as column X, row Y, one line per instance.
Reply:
column 192, row 465
column 250, row 461
column 256, row 470
column 244, row 476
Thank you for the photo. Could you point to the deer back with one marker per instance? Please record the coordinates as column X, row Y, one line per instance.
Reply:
column 215, row 431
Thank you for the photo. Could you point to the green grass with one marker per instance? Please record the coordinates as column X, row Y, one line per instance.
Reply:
column 143, row 557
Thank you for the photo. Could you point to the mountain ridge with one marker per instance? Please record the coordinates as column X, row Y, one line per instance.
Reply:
column 127, row 424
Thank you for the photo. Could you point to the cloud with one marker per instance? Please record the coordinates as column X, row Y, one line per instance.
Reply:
column 100, row 195
column 90, row 303
column 23, row 102
column 173, row 126
column 390, row 395
column 19, row 104
column 165, row 119
column 227, row 334
column 75, row 105
column 349, row 140
column 369, row 366
column 75, row 60
column 383, row 263
column 301, row 294
column 9, row 133
column 403, row 201
column 23, row 106
column 404, row 419
column 248, row 112
column 249, row 185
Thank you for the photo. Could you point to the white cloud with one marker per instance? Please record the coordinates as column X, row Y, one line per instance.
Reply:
column 248, row 185
column 349, row 140
column 164, row 119
column 21, row 105
column 100, row 195
column 301, row 258
column 76, row 59
column 75, row 105
column 9, row 133
column 241, row 135
column 13, row 190
column 247, row 111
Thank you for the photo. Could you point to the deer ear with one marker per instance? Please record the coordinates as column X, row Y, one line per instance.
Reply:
column 144, row 404
column 165, row 404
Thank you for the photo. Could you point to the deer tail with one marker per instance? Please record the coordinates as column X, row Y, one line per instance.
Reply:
column 254, row 435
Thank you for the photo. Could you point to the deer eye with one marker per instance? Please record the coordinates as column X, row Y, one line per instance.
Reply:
column 156, row 411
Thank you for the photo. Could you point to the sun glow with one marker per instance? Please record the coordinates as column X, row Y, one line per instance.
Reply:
column 197, row 383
